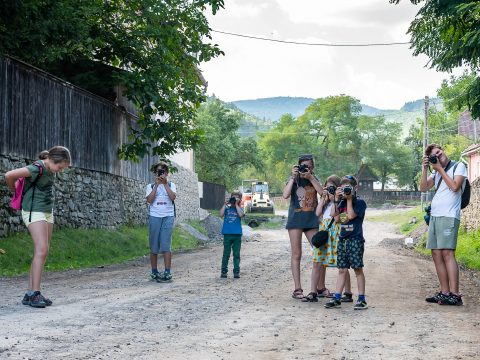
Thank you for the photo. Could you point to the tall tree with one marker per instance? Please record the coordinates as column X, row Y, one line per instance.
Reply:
column 223, row 154
column 333, row 122
column 447, row 32
column 154, row 46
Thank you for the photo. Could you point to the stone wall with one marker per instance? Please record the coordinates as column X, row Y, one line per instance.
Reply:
column 471, row 214
column 92, row 199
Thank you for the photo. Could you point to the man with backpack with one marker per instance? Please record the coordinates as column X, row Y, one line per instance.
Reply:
column 449, row 179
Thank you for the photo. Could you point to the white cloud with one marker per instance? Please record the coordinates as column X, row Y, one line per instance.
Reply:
column 385, row 77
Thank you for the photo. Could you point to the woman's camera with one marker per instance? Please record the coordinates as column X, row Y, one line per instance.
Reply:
column 432, row 159
column 232, row 201
column 303, row 168
column 347, row 190
column 161, row 172
column 331, row 189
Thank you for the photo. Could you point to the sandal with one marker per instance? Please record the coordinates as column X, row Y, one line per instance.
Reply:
column 311, row 297
column 325, row 293
column 297, row 294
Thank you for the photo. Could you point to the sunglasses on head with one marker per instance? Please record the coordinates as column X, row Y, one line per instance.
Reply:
column 350, row 177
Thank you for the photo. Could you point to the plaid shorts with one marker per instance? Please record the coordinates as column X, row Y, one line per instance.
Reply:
column 350, row 253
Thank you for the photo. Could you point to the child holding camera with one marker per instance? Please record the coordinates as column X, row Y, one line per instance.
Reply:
column 302, row 188
column 350, row 212
column 160, row 196
column 326, row 255
column 232, row 214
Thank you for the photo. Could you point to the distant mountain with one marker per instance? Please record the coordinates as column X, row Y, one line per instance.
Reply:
column 271, row 109
column 274, row 108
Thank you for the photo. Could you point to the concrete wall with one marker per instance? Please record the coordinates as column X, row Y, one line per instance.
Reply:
column 92, row 199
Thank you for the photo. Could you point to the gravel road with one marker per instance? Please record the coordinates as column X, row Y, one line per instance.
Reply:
column 117, row 313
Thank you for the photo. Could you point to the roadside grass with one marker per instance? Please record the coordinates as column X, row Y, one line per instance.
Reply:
column 402, row 219
column 81, row 248
column 468, row 243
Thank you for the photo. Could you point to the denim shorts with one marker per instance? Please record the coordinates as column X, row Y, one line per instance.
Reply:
column 350, row 253
column 160, row 230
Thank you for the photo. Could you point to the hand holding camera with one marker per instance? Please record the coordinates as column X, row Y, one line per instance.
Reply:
column 161, row 176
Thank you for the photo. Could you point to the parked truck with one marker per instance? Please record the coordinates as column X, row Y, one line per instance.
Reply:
column 256, row 198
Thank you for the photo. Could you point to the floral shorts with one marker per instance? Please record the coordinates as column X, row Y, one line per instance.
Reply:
column 350, row 253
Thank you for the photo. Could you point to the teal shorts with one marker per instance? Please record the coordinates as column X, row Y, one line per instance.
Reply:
column 443, row 232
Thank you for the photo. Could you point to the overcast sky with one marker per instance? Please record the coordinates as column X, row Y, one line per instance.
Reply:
column 384, row 77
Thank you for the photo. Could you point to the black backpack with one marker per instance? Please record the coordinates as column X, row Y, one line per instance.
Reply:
column 465, row 191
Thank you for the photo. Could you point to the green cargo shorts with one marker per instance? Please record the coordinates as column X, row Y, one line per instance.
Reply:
column 443, row 232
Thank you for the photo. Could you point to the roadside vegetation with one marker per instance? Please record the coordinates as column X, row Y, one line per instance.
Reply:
column 81, row 248
column 468, row 245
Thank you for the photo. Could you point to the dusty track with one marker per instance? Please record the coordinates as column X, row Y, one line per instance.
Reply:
column 116, row 313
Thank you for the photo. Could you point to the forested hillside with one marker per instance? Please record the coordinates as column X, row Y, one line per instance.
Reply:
column 268, row 110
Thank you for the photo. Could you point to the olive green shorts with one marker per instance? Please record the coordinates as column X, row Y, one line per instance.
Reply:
column 443, row 232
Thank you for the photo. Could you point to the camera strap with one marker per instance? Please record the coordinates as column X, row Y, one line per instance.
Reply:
column 449, row 165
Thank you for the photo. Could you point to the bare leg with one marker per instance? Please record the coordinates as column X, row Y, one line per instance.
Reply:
column 321, row 277
column 296, row 254
column 441, row 269
column 340, row 280
column 41, row 234
column 316, row 274
column 360, row 281
column 167, row 259
column 348, row 284
column 451, row 266
column 153, row 260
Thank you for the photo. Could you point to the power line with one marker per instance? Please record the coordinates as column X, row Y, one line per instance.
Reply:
column 309, row 44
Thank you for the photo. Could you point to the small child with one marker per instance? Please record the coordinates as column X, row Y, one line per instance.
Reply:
column 350, row 212
column 232, row 233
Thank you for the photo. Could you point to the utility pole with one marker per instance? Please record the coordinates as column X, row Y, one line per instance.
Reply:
column 425, row 143
column 425, row 124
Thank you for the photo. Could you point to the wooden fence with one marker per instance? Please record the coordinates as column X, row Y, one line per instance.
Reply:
column 38, row 111
column 213, row 196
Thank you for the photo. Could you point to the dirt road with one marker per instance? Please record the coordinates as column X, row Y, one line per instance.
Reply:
column 116, row 313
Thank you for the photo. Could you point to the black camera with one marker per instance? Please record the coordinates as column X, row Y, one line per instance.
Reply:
column 232, row 201
column 426, row 217
column 347, row 190
column 161, row 172
column 303, row 168
column 331, row 189
column 433, row 159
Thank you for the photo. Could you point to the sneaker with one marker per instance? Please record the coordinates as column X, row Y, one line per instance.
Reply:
column 165, row 277
column 334, row 303
column 360, row 305
column 236, row 275
column 347, row 297
column 223, row 275
column 36, row 300
column 435, row 298
column 26, row 299
column 47, row 301
column 451, row 299
column 155, row 276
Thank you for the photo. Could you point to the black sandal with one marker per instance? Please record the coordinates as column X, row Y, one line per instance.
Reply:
column 311, row 297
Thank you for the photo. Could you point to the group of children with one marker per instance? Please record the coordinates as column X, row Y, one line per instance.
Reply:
column 337, row 210
column 345, row 246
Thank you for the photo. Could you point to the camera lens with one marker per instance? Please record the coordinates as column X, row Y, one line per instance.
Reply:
column 347, row 190
column 433, row 159
column 331, row 189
